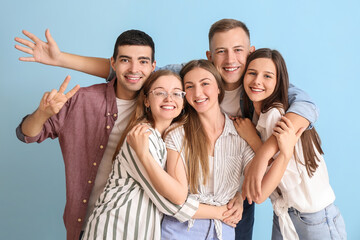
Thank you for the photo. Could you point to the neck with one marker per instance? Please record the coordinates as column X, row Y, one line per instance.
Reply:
column 124, row 94
column 161, row 126
column 257, row 107
column 213, row 122
column 231, row 86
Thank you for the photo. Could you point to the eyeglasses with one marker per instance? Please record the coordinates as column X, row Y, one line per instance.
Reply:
column 163, row 94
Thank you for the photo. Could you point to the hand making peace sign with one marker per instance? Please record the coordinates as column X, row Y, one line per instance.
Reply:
column 53, row 101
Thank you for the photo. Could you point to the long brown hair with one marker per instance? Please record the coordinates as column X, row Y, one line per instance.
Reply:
column 141, row 114
column 196, row 142
column 310, row 139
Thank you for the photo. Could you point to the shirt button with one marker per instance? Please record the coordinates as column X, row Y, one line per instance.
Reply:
column 108, row 114
column 101, row 146
column 107, row 127
column 115, row 115
column 84, row 201
column 79, row 219
column 94, row 163
column 89, row 181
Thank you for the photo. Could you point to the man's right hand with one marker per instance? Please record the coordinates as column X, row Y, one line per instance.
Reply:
column 42, row 52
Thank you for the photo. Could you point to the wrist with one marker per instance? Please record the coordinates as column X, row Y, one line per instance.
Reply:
column 41, row 115
column 61, row 60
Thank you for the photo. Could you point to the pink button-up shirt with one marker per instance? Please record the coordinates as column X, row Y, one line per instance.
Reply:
column 83, row 132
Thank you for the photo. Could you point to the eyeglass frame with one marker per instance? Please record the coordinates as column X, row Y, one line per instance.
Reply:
column 167, row 94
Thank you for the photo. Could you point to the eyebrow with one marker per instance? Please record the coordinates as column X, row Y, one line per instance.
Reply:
column 201, row 80
column 143, row 57
column 164, row 89
column 237, row 46
column 251, row 69
column 139, row 58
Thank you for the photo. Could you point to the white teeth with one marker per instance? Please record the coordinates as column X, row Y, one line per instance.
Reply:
column 200, row 101
column 133, row 78
column 231, row 69
column 257, row 90
column 168, row 107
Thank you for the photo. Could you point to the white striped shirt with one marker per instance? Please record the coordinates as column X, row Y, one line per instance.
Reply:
column 231, row 155
column 130, row 207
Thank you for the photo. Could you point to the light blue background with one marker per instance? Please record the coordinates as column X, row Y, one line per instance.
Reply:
column 318, row 39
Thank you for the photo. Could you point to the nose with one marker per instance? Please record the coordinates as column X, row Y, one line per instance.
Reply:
column 257, row 80
column 134, row 67
column 197, row 91
column 230, row 57
column 168, row 98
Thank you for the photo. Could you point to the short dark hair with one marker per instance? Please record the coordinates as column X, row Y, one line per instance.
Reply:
column 134, row 37
column 225, row 25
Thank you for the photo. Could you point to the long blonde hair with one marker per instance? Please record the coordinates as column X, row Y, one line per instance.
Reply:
column 142, row 114
column 196, row 142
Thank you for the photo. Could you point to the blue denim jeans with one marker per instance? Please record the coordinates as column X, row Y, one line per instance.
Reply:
column 172, row 229
column 244, row 229
column 326, row 224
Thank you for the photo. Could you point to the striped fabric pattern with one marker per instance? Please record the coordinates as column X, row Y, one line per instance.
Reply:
column 231, row 155
column 130, row 207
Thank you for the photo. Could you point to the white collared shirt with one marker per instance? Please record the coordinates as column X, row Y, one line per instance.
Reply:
column 231, row 155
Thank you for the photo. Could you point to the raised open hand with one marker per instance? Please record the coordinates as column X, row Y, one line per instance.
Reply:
column 42, row 52
column 53, row 101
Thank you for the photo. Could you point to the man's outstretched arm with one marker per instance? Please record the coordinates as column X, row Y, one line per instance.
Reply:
column 49, row 53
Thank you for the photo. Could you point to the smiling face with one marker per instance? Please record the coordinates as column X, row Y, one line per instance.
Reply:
column 132, row 66
column 165, row 99
column 260, row 79
column 228, row 52
column 202, row 91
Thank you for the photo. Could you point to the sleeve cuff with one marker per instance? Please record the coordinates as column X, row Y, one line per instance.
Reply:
column 188, row 209
column 306, row 110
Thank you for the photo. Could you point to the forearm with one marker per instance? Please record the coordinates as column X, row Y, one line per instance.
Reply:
column 209, row 212
column 91, row 65
column 273, row 177
column 165, row 184
column 297, row 121
column 267, row 150
column 255, row 143
column 33, row 124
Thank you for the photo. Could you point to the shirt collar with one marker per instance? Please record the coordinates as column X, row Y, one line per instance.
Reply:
column 111, row 107
column 229, row 127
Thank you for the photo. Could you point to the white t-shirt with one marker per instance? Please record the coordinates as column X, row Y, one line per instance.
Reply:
column 231, row 102
column 125, row 109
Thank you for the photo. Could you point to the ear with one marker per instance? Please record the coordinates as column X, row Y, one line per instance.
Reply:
column 208, row 55
column 112, row 62
column 153, row 65
column 146, row 102
column 252, row 49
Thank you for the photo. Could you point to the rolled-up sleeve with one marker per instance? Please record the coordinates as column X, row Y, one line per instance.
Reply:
column 301, row 104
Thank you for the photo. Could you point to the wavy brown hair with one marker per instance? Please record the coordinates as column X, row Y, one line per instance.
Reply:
column 140, row 113
column 196, row 142
column 310, row 139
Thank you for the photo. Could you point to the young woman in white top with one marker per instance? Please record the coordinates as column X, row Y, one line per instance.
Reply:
column 303, row 200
